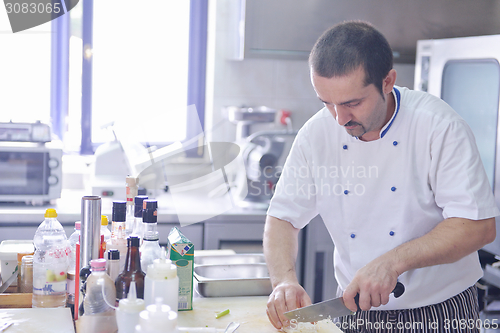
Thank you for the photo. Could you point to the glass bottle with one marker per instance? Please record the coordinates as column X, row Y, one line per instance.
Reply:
column 131, row 189
column 131, row 272
column 138, row 221
column 150, row 248
column 118, row 240
column 50, row 263
column 100, row 290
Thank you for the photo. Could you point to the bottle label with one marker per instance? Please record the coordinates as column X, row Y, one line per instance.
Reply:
column 53, row 282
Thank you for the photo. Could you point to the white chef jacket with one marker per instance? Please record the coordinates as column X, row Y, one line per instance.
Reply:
column 376, row 195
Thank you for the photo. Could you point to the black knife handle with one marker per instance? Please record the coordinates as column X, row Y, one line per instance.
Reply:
column 397, row 291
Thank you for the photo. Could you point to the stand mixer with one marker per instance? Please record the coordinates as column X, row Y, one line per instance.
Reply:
column 261, row 152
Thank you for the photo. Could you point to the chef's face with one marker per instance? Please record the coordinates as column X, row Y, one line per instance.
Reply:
column 360, row 108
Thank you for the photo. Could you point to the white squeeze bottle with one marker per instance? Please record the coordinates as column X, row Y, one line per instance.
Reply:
column 128, row 310
column 157, row 318
column 50, row 263
column 162, row 281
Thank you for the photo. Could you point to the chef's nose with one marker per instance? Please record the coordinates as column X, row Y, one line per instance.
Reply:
column 343, row 115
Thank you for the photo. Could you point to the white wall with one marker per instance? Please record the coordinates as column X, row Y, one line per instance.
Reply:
column 279, row 84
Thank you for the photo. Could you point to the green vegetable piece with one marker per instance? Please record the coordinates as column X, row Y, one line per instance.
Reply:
column 221, row 314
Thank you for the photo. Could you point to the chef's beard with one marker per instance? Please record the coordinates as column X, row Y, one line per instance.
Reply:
column 358, row 131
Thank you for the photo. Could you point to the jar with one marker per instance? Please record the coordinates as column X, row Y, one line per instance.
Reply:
column 26, row 282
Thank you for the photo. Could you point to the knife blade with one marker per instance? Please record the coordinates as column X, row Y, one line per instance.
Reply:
column 331, row 308
column 9, row 281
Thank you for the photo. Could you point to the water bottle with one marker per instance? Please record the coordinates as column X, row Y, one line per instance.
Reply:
column 50, row 263
column 100, row 292
column 73, row 239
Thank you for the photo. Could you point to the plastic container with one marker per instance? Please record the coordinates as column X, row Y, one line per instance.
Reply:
column 105, row 236
column 26, row 274
column 157, row 318
column 150, row 248
column 113, row 264
column 127, row 313
column 73, row 239
column 8, row 256
column 99, row 286
column 118, row 238
column 162, row 281
column 50, row 263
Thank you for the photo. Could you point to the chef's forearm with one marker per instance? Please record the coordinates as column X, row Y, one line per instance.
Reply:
column 449, row 241
column 280, row 249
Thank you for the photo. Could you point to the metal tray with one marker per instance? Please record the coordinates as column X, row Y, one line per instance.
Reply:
column 230, row 259
column 233, row 280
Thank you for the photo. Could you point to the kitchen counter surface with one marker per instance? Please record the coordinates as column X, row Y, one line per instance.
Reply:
column 193, row 209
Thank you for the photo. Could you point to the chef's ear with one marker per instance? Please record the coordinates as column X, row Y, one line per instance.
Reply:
column 389, row 81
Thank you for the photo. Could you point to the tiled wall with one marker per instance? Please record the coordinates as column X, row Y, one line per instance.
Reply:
column 280, row 84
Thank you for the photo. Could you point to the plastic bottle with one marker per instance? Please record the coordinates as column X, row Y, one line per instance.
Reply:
column 113, row 264
column 73, row 239
column 127, row 313
column 132, row 188
column 157, row 318
column 131, row 272
column 138, row 209
column 99, row 286
column 118, row 240
column 150, row 248
column 162, row 281
column 50, row 263
column 105, row 235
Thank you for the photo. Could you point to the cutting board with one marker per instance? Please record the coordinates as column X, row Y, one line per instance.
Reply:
column 38, row 320
column 250, row 312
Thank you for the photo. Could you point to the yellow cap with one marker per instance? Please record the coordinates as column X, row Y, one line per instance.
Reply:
column 50, row 212
column 104, row 220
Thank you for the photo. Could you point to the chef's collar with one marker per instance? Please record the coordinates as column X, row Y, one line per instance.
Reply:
column 397, row 99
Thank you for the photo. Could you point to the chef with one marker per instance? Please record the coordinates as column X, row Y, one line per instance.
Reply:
column 396, row 176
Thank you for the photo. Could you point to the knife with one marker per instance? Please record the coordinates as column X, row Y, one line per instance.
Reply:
column 9, row 281
column 331, row 308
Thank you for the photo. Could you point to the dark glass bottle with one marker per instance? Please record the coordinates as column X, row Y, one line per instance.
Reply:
column 132, row 271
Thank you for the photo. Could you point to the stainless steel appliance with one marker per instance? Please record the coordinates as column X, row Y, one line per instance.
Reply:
column 30, row 163
column 465, row 73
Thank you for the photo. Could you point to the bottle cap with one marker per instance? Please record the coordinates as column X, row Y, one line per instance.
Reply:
column 50, row 212
column 98, row 264
column 119, row 211
column 150, row 213
column 132, row 303
column 133, row 241
column 162, row 268
column 78, row 225
column 104, row 220
column 113, row 254
column 158, row 318
column 138, row 201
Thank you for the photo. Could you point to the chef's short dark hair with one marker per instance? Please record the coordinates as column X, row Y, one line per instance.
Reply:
column 345, row 46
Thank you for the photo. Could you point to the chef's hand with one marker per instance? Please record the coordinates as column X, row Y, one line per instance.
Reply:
column 374, row 283
column 286, row 296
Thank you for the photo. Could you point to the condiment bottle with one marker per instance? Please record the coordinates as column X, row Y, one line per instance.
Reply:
column 105, row 235
column 26, row 283
column 132, row 271
column 73, row 239
column 150, row 248
column 100, row 291
column 128, row 310
column 138, row 220
column 50, row 263
column 118, row 239
column 162, row 281
column 131, row 192
column 157, row 318
column 113, row 264
column 20, row 257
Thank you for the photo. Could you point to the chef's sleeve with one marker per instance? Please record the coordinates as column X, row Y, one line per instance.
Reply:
column 294, row 199
column 457, row 175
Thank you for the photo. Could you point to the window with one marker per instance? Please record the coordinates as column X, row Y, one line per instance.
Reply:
column 141, row 54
